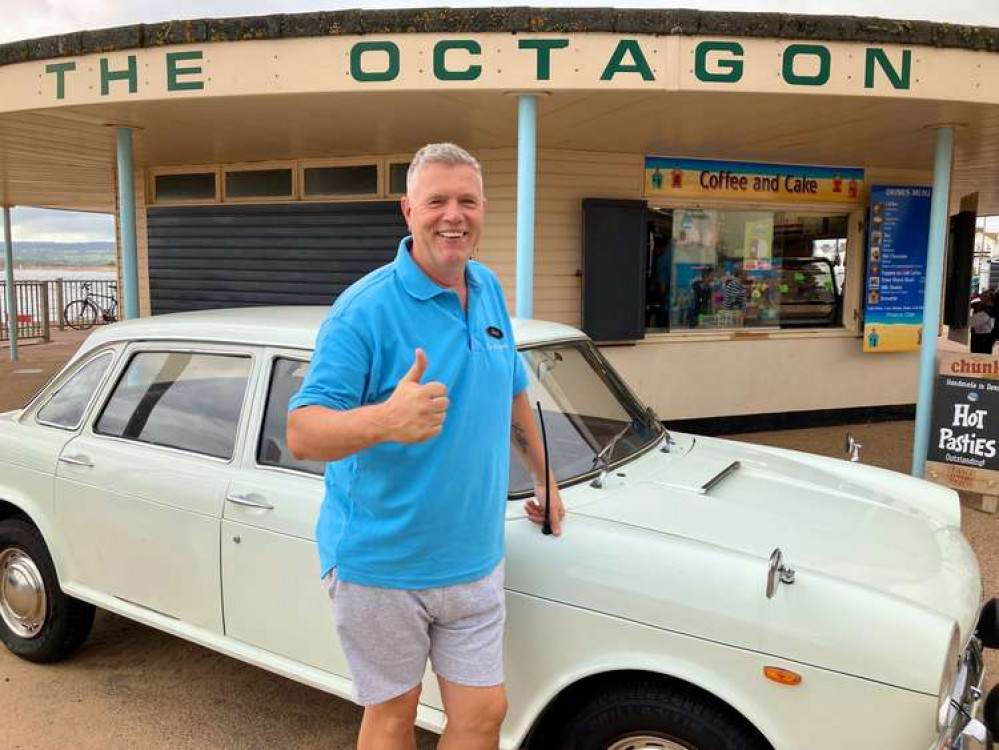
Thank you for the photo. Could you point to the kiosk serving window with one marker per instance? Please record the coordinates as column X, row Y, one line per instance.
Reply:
column 733, row 269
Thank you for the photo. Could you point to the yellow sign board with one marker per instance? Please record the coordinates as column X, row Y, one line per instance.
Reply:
column 750, row 181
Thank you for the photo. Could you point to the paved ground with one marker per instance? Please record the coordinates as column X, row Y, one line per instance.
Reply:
column 131, row 686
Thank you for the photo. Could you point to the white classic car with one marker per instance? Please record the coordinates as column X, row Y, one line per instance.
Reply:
column 705, row 595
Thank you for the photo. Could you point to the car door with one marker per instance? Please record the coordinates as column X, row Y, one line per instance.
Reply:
column 272, row 593
column 31, row 443
column 139, row 493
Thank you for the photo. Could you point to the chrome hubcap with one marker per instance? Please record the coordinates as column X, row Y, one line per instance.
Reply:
column 645, row 742
column 22, row 593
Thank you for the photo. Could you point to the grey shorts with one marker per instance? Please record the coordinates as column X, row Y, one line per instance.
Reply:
column 388, row 634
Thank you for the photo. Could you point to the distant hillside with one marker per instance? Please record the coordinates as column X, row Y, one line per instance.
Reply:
column 28, row 254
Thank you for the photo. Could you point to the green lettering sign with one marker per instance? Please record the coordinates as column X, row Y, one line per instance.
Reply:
column 391, row 71
column 544, row 49
column 794, row 51
column 726, row 71
column 60, row 70
column 441, row 71
column 131, row 75
column 174, row 71
column 897, row 80
column 639, row 65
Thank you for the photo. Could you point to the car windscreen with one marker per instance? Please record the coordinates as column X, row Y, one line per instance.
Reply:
column 589, row 413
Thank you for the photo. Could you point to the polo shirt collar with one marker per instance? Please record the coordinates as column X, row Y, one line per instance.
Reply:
column 415, row 281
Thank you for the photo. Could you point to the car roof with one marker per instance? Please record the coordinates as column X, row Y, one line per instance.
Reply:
column 292, row 327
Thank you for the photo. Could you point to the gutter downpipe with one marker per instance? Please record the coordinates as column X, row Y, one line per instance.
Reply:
column 9, row 291
column 527, row 130
column 126, row 214
column 939, row 214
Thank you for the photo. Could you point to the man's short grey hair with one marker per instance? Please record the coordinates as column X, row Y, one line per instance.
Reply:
column 441, row 153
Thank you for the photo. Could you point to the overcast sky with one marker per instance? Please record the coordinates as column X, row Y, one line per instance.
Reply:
column 39, row 225
column 26, row 19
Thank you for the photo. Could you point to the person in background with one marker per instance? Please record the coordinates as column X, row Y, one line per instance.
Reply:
column 991, row 306
column 981, row 325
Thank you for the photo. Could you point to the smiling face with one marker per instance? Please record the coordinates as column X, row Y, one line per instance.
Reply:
column 445, row 210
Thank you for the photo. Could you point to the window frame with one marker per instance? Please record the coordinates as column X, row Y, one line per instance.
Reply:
column 361, row 161
column 851, row 308
column 391, row 161
column 292, row 166
column 43, row 399
column 167, row 348
column 270, row 358
column 381, row 163
column 153, row 172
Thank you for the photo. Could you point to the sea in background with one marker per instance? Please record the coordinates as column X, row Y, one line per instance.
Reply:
column 49, row 273
column 29, row 303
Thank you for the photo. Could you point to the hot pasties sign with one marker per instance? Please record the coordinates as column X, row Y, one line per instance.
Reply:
column 964, row 442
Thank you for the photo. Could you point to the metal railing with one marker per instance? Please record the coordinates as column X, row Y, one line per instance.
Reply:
column 31, row 303
column 40, row 304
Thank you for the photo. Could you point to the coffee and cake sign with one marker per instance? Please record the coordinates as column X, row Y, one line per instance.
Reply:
column 964, row 441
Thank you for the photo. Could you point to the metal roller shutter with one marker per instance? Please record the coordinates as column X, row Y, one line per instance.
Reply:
column 203, row 257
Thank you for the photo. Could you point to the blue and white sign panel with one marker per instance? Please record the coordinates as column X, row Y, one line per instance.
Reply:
column 897, row 236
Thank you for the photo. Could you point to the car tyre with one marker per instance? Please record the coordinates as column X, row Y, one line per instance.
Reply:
column 38, row 622
column 646, row 715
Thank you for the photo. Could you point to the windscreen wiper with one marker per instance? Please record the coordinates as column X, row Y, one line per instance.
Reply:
column 602, row 459
column 652, row 419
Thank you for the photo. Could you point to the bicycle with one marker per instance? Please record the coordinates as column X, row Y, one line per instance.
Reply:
column 81, row 314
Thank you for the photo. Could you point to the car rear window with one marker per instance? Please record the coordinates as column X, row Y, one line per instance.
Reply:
column 272, row 450
column 66, row 406
column 179, row 400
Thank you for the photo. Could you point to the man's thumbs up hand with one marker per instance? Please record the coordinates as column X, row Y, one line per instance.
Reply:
column 419, row 367
column 415, row 411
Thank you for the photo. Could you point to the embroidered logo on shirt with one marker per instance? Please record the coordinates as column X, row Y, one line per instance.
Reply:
column 495, row 332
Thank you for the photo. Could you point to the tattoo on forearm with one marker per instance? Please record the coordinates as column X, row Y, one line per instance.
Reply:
column 519, row 437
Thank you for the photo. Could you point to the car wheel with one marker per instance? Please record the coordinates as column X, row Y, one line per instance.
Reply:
column 657, row 716
column 37, row 621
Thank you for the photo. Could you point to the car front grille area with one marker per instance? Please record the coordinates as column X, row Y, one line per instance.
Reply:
column 964, row 697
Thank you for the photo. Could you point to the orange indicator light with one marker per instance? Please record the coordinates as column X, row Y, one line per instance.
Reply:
column 782, row 676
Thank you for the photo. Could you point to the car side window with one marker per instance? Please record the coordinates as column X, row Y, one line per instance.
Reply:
column 180, row 400
column 272, row 450
column 66, row 406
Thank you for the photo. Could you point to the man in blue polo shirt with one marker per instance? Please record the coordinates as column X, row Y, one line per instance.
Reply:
column 414, row 394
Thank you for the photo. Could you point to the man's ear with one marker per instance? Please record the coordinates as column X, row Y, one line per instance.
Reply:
column 407, row 209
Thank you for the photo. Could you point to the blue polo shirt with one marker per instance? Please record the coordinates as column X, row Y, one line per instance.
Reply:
column 429, row 514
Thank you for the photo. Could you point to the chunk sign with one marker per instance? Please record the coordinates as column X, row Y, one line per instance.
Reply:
column 964, row 450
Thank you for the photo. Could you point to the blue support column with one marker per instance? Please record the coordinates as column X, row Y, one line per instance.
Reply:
column 9, row 292
column 527, row 130
column 126, row 223
column 935, row 252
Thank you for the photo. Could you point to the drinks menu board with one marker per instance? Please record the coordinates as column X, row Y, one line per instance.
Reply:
column 897, row 235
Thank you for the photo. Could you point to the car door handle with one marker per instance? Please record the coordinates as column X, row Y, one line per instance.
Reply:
column 77, row 461
column 249, row 501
